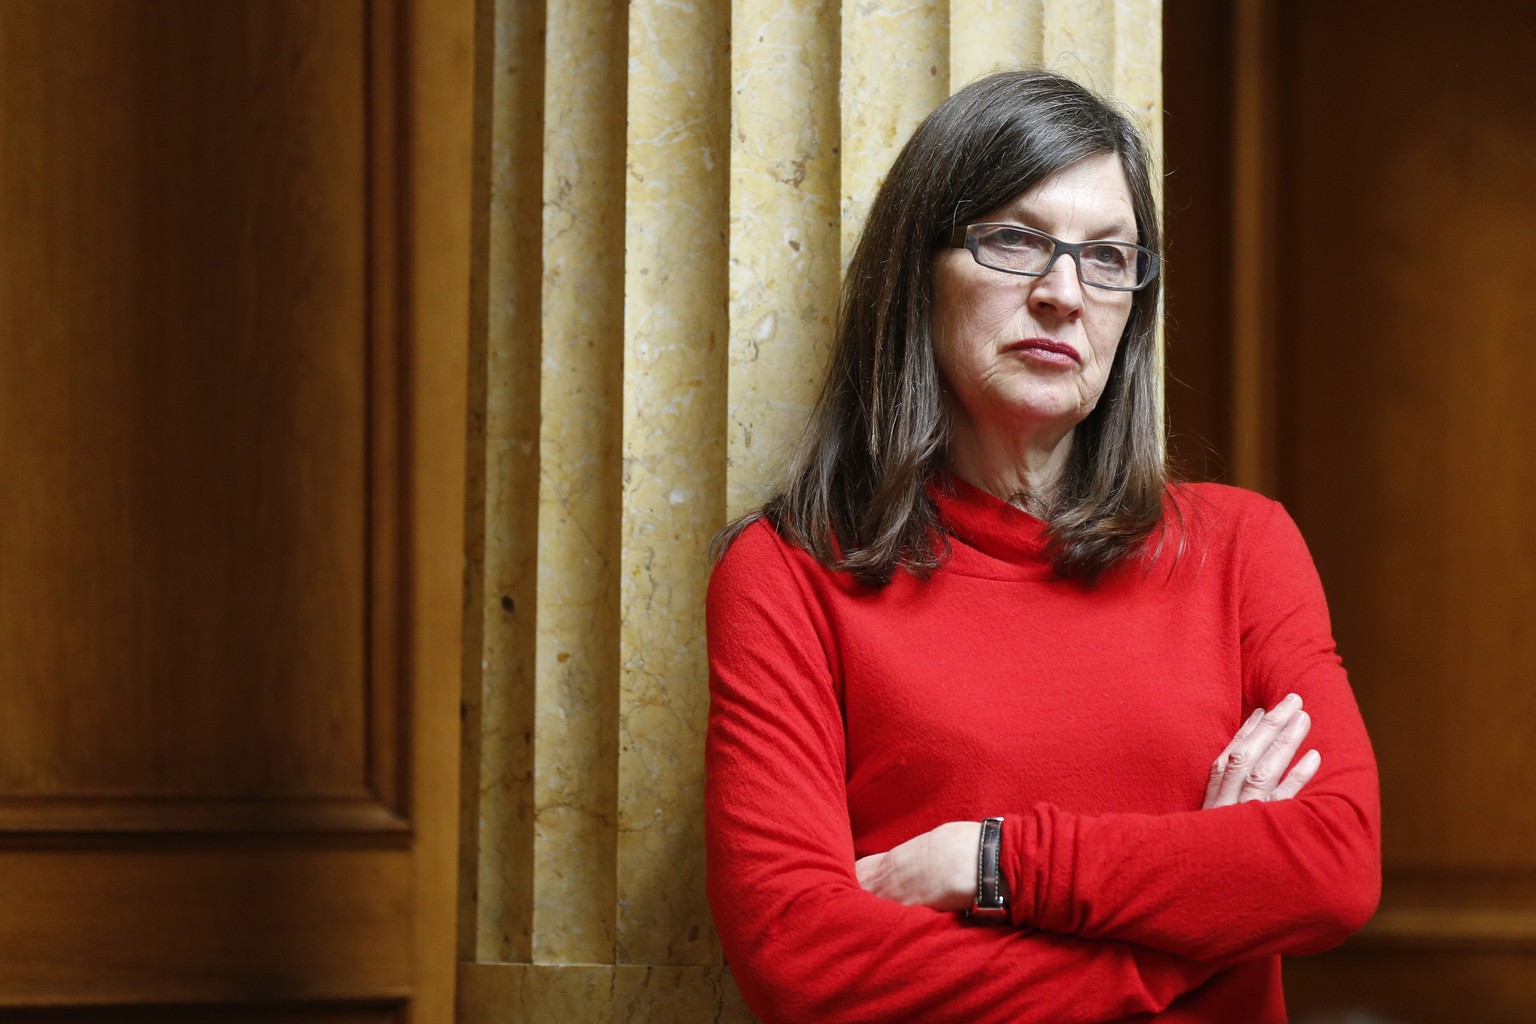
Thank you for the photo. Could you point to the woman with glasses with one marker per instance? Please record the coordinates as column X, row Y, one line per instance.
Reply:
column 1005, row 726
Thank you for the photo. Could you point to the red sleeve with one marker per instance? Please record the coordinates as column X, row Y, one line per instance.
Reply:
column 1296, row 876
column 804, row 942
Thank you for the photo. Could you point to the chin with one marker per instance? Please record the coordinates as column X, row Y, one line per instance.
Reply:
column 1068, row 411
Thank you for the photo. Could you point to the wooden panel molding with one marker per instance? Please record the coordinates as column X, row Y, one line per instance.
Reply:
column 25, row 819
column 1460, row 910
column 386, row 1012
column 1358, row 985
column 209, row 923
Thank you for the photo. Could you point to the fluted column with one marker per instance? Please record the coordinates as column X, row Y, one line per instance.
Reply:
column 674, row 465
column 669, row 192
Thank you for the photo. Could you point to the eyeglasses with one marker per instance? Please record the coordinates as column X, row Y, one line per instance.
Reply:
column 1014, row 249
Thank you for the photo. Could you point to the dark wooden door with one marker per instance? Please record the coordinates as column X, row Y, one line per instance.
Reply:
column 228, row 601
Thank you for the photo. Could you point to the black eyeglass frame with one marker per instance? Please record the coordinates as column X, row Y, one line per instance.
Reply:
column 965, row 237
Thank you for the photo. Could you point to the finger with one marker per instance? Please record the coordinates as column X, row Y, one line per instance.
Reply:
column 1247, row 752
column 1217, row 782
column 1298, row 776
column 1267, row 771
column 1219, row 766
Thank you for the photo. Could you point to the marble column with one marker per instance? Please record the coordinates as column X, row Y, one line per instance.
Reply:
column 668, row 192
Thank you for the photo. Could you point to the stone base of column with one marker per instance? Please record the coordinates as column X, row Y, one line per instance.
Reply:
column 597, row 994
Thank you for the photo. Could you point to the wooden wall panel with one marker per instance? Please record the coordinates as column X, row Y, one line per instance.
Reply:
column 1197, row 94
column 233, row 315
column 200, row 511
column 1405, row 389
column 1427, row 985
column 211, row 922
column 341, row 1013
column 1391, row 412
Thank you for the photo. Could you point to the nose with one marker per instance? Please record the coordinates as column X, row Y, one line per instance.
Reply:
column 1058, row 292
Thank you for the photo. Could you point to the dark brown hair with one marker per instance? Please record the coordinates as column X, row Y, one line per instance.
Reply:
column 856, row 496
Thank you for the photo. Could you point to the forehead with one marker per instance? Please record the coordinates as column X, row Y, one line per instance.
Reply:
column 1090, row 195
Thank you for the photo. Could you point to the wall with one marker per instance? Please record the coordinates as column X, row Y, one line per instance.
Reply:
column 667, row 194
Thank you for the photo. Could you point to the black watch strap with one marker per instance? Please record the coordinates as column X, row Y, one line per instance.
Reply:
column 990, row 897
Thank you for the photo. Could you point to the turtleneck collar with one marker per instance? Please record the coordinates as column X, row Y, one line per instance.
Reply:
column 990, row 537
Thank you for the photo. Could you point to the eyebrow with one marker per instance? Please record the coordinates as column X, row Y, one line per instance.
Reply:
column 1118, row 230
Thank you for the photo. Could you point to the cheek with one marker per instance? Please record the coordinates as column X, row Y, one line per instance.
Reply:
column 964, row 334
column 1106, row 334
column 954, row 343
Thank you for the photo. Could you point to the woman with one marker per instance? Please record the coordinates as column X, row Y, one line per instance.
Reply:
column 977, row 597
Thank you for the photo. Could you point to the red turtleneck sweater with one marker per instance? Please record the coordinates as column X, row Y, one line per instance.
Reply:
column 846, row 719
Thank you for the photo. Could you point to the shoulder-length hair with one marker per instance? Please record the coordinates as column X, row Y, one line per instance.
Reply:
column 857, row 491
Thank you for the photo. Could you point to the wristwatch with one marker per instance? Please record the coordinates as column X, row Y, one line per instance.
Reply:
column 991, row 900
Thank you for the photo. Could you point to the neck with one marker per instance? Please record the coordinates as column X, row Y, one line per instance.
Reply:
column 1022, row 468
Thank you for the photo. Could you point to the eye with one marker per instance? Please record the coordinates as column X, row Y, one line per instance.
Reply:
column 1007, row 236
column 1110, row 256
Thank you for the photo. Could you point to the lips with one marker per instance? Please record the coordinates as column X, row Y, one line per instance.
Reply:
column 1046, row 346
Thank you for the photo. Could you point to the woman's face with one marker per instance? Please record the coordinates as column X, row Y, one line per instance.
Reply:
column 1025, row 355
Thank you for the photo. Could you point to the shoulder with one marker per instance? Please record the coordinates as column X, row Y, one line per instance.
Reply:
column 759, row 565
column 755, row 548
column 768, row 599
column 1252, row 533
column 762, row 572
column 1218, row 513
column 1222, row 502
column 1229, row 524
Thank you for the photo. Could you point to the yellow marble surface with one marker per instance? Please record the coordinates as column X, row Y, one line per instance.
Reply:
column 1078, row 39
column 895, row 70
column 581, row 391
column 672, row 197
column 675, row 344
column 1137, row 80
column 1138, row 83
column 783, row 232
column 990, row 35
column 625, row 994
column 496, row 917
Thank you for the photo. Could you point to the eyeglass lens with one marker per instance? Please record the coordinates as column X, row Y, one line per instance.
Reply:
column 1023, row 250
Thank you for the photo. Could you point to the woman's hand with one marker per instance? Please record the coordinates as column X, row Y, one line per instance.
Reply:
column 936, row 869
column 1253, row 765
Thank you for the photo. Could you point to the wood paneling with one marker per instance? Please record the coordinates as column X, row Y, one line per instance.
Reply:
column 1406, row 383
column 1412, row 986
column 343, row 1013
column 214, row 923
column 1197, row 124
column 192, row 218
column 1394, row 419
column 233, row 314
